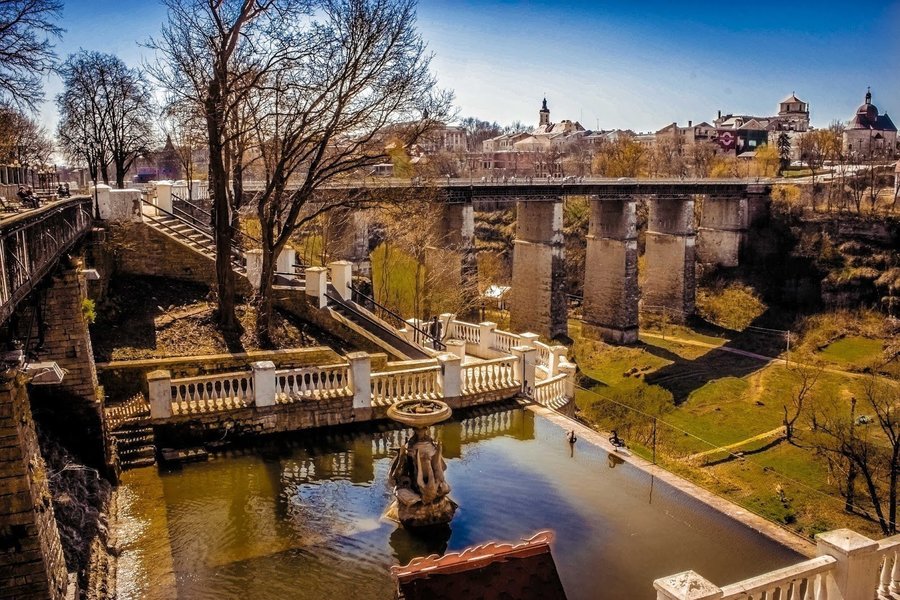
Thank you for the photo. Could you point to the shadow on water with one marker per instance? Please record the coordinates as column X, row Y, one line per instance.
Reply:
column 408, row 544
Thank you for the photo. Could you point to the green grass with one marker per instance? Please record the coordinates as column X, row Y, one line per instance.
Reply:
column 856, row 352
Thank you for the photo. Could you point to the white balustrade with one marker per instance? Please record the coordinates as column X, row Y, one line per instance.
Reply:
column 489, row 375
column 212, row 393
column 311, row 383
column 505, row 341
column 543, row 355
column 889, row 580
column 468, row 332
column 551, row 392
column 804, row 581
column 410, row 384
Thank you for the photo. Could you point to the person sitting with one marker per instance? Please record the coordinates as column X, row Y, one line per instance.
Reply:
column 61, row 191
column 27, row 197
column 616, row 441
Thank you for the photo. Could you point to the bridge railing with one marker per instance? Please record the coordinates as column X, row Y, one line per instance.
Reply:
column 32, row 242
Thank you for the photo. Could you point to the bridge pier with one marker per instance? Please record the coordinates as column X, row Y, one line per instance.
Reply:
column 670, row 282
column 538, row 299
column 723, row 231
column 611, row 276
column 349, row 237
column 451, row 258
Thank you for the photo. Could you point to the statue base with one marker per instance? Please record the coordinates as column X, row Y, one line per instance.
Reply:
column 439, row 512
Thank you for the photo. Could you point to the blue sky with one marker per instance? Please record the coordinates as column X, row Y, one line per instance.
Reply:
column 638, row 64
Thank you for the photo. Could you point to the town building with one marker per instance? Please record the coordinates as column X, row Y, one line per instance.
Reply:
column 743, row 134
column 869, row 134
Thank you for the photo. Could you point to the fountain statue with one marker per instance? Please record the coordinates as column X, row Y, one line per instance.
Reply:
column 417, row 473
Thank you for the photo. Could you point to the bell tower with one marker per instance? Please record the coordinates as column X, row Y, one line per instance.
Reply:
column 544, row 115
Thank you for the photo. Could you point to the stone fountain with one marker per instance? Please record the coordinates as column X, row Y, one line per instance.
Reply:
column 417, row 473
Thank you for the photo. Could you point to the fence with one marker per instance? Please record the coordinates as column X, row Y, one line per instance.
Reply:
column 211, row 393
column 311, row 383
column 489, row 375
column 409, row 384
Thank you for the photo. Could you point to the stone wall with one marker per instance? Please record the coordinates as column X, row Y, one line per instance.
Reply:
column 31, row 557
column 72, row 409
column 142, row 250
column 197, row 429
column 295, row 301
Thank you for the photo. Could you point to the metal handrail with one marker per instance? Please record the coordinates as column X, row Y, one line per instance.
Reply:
column 237, row 255
column 237, row 232
column 436, row 343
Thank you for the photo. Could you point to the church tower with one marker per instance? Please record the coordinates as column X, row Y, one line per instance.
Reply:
column 544, row 115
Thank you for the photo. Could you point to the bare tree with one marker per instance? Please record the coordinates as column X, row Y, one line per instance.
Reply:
column 22, row 140
column 26, row 50
column 806, row 377
column 870, row 452
column 214, row 54
column 358, row 75
column 106, row 113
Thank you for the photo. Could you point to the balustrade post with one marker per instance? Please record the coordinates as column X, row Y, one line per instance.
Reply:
column 316, row 284
column 687, row 585
column 457, row 347
column 856, row 573
column 342, row 277
column 451, row 375
column 361, row 379
column 164, row 195
column 486, row 338
column 263, row 382
column 557, row 359
column 254, row 267
column 286, row 260
column 524, row 368
column 160, row 390
column 528, row 338
column 569, row 369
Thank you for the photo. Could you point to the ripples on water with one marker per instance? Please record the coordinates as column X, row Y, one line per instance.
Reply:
column 302, row 517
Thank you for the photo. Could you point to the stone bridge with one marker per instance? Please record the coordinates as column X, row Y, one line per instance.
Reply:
column 674, row 241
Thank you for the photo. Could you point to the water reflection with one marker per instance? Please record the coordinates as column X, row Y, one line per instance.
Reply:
column 302, row 517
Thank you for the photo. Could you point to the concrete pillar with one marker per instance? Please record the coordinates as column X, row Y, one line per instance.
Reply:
column 723, row 231
column 525, row 368
column 164, row 195
column 342, row 277
column 610, row 271
column 286, row 261
column 316, row 284
column 361, row 379
column 486, row 331
column 686, row 586
column 670, row 284
column 451, row 258
column 254, row 267
column 160, row 392
column 569, row 369
column 451, row 375
column 538, row 298
column 856, row 573
column 263, row 382
column 457, row 347
column 528, row 339
column 102, row 192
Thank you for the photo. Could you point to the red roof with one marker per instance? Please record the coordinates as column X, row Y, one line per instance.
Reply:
column 491, row 571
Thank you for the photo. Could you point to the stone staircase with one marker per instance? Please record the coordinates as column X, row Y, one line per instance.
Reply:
column 191, row 236
column 129, row 425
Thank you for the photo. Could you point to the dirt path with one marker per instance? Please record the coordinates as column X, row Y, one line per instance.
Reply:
column 762, row 436
column 748, row 354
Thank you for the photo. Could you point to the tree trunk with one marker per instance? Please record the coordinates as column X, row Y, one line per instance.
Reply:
column 218, row 178
column 892, row 491
column 264, row 300
column 120, row 174
column 851, row 488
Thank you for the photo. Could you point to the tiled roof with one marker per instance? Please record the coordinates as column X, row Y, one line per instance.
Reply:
column 492, row 571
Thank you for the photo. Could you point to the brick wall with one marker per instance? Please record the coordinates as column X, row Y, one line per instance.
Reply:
column 31, row 558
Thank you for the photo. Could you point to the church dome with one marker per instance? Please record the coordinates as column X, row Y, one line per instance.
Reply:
column 868, row 110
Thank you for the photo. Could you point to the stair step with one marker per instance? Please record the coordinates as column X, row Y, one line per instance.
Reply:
column 138, row 451
column 140, row 462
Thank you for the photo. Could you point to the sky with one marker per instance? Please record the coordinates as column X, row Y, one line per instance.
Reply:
column 630, row 64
